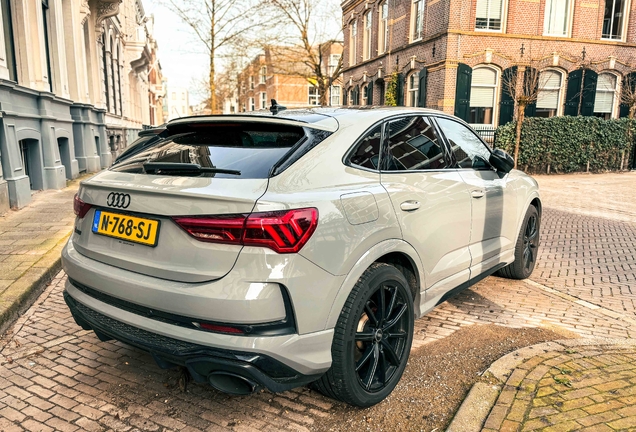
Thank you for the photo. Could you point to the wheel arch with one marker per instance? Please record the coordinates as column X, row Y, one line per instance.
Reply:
column 394, row 251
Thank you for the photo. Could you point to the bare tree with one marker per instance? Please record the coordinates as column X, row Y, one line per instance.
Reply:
column 628, row 93
column 219, row 25
column 522, row 83
column 305, row 44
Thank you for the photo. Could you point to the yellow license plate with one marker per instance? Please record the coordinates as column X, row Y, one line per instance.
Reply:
column 125, row 227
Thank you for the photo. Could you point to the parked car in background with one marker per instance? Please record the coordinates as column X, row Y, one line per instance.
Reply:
column 274, row 251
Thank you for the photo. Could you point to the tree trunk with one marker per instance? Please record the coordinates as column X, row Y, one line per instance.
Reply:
column 521, row 114
column 323, row 89
column 213, row 106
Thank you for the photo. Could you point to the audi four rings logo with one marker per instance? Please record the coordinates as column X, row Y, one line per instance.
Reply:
column 119, row 200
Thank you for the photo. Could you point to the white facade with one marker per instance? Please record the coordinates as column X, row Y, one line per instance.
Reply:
column 75, row 87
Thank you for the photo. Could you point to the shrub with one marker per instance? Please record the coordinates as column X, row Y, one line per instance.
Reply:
column 390, row 98
column 570, row 144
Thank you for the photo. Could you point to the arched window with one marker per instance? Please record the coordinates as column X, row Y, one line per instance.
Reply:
column 412, row 87
column 482, row 96
column 353, row 38
column 549, row 96
column 113, row 65
column 121, row 110
column 105, row 64
column 383, row 27
column 368, row 23
column 605, row 91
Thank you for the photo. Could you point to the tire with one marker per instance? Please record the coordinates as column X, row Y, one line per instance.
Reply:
column 526, row 248
column 370, row 347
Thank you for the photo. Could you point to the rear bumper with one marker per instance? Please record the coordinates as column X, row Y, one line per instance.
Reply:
column 200, row 360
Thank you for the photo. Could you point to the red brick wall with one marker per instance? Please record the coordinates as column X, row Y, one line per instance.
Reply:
column 449, row 29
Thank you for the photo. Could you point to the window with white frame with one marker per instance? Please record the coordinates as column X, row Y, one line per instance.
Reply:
column 263, row 100
column 353, row 36
column 417, row 23
column 7, row 27
column 412, row 87
column 252, row 107
column 335, row 95
column 557, row 17
column 314, row 95
column 604, row 99
column 614, row 19
column 383, row 28
column 482, row 96
column 365, row 94
column 366, row 39
column 334, row 59
column 263, row 74
column 489, row 15
column 550, row 83
column 251, row 82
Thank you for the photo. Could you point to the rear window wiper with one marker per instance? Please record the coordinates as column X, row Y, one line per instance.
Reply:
column 166, row 167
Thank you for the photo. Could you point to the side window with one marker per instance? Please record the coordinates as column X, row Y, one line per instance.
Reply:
column 366, row 153
column 468, row 149
column 413, row 144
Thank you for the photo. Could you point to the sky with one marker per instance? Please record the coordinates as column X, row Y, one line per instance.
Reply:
column 183, row 58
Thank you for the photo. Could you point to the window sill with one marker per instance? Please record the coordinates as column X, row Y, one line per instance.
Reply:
column 557, row 35
column 488, row 30
column 613, row 39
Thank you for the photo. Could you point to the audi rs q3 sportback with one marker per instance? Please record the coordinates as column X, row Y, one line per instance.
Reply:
column 274, row 251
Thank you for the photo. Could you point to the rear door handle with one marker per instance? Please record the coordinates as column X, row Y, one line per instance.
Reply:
column 410, row 205
column 477, row 193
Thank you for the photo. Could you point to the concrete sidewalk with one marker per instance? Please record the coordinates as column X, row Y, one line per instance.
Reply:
column 31, row 240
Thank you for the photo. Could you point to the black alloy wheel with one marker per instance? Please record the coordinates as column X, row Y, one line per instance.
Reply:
column 526, row 248
column 372, row 339
column 530, row 243
column 381, row 337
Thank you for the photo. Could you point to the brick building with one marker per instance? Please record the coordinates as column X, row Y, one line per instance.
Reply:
column 451, row 55
column 271, row 76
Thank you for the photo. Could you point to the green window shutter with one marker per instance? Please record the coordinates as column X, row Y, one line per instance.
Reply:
column 530, row 73
column 370, row 93
column 629, row 80
column 400, row 89
column 421, row 96
column 573, row 92
column 589, row 92
column 507, row 103
column 345, row 96
column 356, row 95
column 462, row 91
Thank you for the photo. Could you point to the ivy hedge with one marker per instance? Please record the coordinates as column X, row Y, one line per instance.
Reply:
column 570, row 144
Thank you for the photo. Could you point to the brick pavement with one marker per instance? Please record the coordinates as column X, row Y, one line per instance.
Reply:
column 54, row 375
column 583, row 389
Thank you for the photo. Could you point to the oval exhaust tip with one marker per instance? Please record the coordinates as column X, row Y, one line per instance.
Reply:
column 232, row 384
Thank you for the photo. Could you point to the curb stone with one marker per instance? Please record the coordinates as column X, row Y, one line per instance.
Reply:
column 481, row 398
column 21, row 294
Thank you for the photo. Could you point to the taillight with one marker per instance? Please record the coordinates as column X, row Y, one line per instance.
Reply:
column 228, row 229
column 285, row 231
column 80, row 207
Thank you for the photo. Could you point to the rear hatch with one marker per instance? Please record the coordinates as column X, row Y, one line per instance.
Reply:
column 199, row 169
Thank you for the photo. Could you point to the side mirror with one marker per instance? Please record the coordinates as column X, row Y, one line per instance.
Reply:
column 502, row 161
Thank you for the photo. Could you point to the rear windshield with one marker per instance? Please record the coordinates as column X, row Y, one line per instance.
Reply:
column 229, row 150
